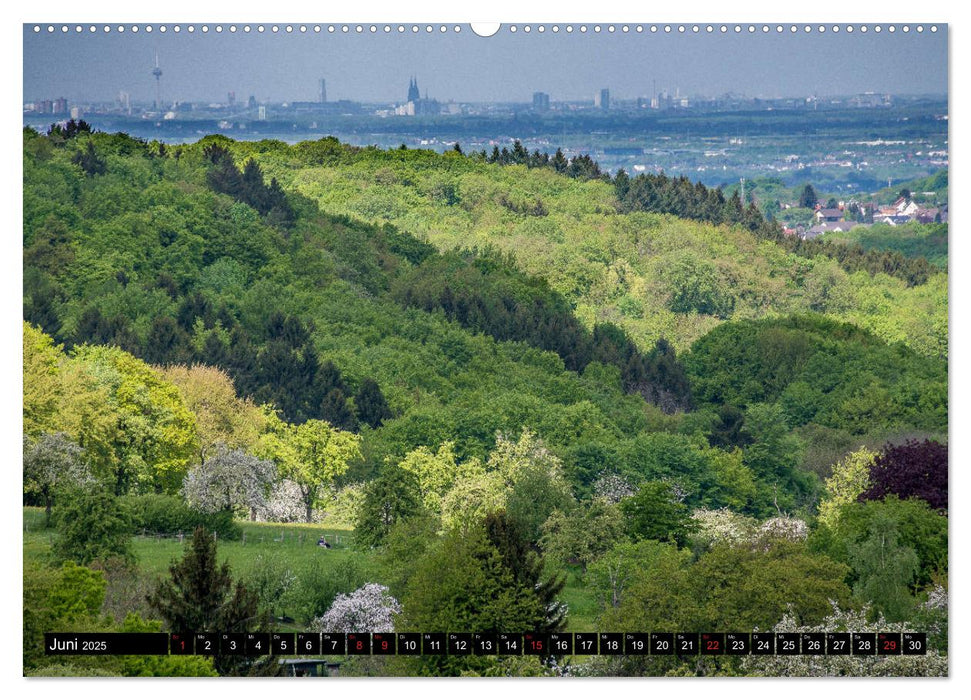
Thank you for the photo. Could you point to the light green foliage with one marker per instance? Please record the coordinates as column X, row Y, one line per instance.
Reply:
column 608, row 264
column 76, row 592
column 473, row 496
column 162, row 666
column 436, row 472
column 222, row 417
column 695, row 286
column 612, row 574
column 581, row 534
column 716, row 591
column 154, row 433
column 42, row 387
column 521, row 476
column 851, row 477
column 514, row 459
column 311, row 455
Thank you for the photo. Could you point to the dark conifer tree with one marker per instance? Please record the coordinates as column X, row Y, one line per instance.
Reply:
column 372, row 408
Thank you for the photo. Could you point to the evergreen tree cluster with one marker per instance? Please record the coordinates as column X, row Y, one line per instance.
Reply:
column 248, row 186
column 482, row 294
column 581, row 167
column 281, row 367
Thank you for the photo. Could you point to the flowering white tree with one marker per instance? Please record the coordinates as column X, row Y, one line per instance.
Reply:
column 368, row 609
column 722, row 526
column 284, row 504
column 51, row 463
column 783, row 527
column 229, row 479
column 612, row 488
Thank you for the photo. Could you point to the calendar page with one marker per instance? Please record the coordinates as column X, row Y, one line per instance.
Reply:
column 537, row 349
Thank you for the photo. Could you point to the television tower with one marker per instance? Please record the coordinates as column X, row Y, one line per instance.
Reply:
column 157, row 72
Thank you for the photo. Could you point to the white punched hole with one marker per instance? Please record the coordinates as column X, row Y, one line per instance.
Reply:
column 485, row 29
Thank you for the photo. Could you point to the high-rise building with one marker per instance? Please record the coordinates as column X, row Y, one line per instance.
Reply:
column 60, row 105
column 262, row 113
column 541, row 101
column 251, row 102
column 231, row 98
column 602, row 100
column 322, row 92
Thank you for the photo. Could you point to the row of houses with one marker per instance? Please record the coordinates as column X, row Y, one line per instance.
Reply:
column 833, row 220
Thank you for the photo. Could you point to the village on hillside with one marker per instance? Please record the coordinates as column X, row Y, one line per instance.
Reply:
column 850, row 214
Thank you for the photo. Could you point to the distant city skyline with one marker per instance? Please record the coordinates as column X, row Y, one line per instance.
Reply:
column 508, row 67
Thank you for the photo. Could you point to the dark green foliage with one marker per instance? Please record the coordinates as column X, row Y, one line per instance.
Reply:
column 156, row 514
column 728, row 428
column 89, row 160
column 484, row 292
column 463, row 582
column 388, row 500
column 820, row 371
column 654, row 513
column 92, row 526
column 200, row 595
column 69, row 131
column 917, row 525
column 534, row 497
column 518, row 553
column 372, row 408
column 248, row 187
column 808, row 198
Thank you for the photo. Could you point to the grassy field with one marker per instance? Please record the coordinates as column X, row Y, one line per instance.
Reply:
column 269, row 552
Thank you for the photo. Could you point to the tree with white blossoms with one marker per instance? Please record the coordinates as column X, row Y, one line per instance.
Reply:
column 783, row 527
column 512, row 458
column 229, row 480
column 850, row 478
column 722, row 525
column 728, row 527
column 52, row 463
column 933, row 663
column 284, row 504
column 612, row 488
column 368, row 609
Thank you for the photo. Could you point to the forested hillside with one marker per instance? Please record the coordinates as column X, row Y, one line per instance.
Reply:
column 512, row 380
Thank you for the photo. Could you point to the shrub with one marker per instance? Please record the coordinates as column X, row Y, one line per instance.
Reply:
column 169, row 515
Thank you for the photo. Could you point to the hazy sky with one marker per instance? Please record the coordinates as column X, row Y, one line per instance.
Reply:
column 465, row 67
